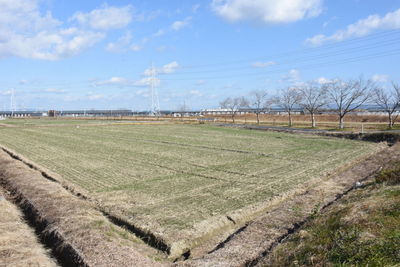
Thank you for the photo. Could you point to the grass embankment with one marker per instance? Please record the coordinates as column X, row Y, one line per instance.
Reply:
column 363, row 229
column 18, row 243
column 77, row 232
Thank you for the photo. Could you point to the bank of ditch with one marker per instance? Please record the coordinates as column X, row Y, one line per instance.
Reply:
column 78, row 234
column 19, row 243
column 260, row 236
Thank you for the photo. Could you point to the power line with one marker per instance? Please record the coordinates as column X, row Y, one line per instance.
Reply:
column 303, row 50
column 318, row 65
column 302, row 55
column 351, row 50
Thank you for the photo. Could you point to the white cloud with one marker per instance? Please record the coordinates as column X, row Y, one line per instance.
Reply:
column 162, row 48
column 380, row 78
column 180, row 24
column 123, row 44
column 267, row 11
column 26, row 32
column 293, row 76
column 113, row 81
column 146, row 82
column 143, row 92
column 6, row 92
column 105, row 18
column 123, row 82
column 136, row 48
column 54, row 91
column 167, row 68
column 159, row 33
column 201, row 82
column 326, row 23
column 361, row 28
column 95, row 96
column 260, row 64
column 196, row 93
column 195, row 8
column 323, row 80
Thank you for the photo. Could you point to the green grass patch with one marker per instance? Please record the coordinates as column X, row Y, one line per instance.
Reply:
column 360, row 230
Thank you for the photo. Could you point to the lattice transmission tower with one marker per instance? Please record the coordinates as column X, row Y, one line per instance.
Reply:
column 12, row 102
column 155, row 103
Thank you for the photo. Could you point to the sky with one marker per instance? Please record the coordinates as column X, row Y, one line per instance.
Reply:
column 70, row 54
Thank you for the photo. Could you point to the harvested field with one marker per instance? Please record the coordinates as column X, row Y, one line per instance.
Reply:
column 19, row 245
column 78, row 234
column 183, row 184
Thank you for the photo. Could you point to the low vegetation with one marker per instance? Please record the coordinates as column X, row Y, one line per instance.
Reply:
column 77, row 232
column 180, row 182
column 361, row 230
column 19, row 245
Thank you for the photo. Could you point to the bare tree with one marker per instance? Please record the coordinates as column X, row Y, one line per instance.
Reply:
column 389, row 100
column 258, row 102
column 233, row 105
column 288, row 98
column 313, row 98
column 348, row 95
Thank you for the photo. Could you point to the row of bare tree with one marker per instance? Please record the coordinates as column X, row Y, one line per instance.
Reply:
column 342, row 96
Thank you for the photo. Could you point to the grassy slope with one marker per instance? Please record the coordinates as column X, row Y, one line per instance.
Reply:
column 18, row 243
column 361, row 230
column 168, row 178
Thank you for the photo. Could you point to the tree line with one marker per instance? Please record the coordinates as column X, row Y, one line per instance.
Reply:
column 341, row 96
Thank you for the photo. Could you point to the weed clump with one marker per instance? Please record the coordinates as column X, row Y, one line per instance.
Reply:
column 390, row 176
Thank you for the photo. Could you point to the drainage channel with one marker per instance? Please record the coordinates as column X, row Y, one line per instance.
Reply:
column 63, row 252
column 149, row 238
column 297, row 226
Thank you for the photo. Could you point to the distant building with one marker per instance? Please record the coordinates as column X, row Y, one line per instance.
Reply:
column 20, row 114
column 216, row 111
column 242, row 111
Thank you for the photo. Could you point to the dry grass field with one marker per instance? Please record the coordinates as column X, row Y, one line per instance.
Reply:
column 181, row 183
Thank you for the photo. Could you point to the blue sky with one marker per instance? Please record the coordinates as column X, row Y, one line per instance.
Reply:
column 67, row 54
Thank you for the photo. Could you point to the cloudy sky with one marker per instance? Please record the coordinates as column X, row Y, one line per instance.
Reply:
column 70, row 54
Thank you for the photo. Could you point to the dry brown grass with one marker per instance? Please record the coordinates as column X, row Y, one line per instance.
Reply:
column 361, row 229
column 19, row 245
column 93, row 238
column 265, row 231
